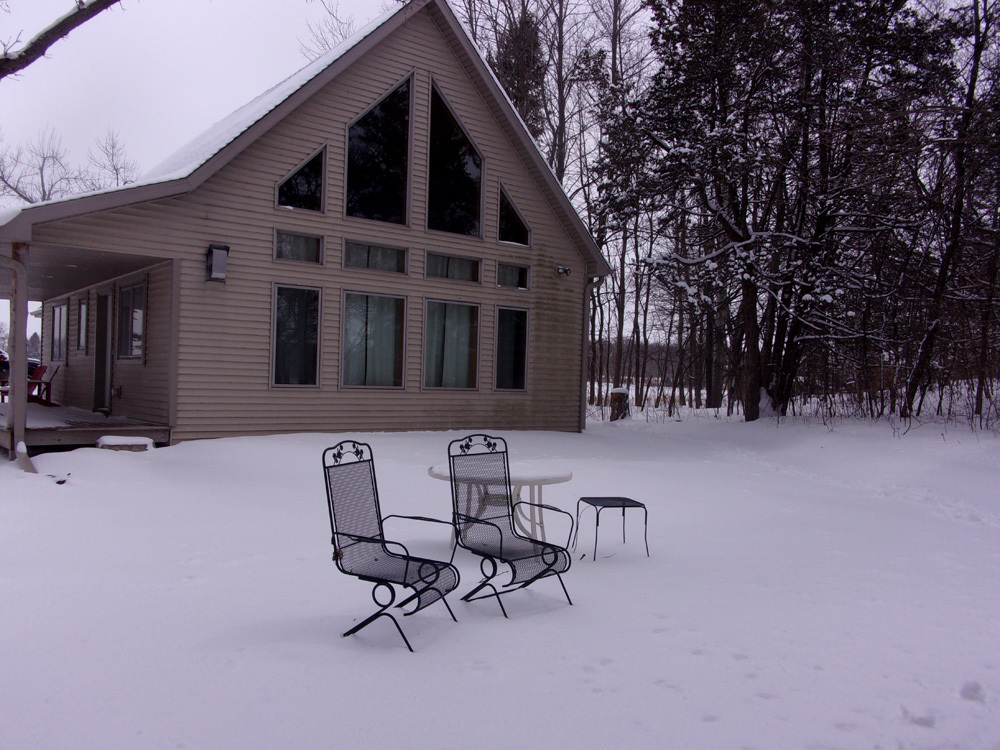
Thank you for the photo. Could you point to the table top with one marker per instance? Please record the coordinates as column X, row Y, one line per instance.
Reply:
column 521, row 473
column 611, row 502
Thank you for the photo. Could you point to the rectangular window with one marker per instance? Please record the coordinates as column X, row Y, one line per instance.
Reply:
column 298, row 247
column 450, row 267
column 512, row 348
column 81, row 324
column 373, row 340
column 296, row 335
column 59, row 332
column 514, row 277
column 376, row 257
column 131, row 317
column 451, row 340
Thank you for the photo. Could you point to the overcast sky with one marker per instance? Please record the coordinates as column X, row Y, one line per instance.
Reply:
column 157, row 71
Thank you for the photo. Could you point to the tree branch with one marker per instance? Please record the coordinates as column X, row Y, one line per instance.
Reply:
column 17, row 60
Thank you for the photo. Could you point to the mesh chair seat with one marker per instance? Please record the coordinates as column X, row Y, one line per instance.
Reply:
column 484, row 520
column 360, row 547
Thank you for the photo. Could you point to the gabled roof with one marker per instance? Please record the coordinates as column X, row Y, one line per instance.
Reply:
column 189, row 167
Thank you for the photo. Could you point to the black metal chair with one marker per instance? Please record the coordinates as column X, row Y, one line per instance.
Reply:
column 484, row 520
column 361, row 549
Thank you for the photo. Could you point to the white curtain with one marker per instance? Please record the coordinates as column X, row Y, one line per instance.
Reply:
column 450, row 348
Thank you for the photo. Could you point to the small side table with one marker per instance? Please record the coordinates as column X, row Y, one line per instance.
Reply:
column 599, row 504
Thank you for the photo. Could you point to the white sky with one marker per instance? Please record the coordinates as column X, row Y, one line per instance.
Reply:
column 157, row 71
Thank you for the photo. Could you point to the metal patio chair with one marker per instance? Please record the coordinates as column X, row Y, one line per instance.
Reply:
column 484, row 520
column 360, row 547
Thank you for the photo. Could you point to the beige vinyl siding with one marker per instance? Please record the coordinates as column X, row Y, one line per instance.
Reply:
column 224, row 331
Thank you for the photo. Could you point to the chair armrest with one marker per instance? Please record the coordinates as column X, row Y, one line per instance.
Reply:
column 557, row 510
column 417, row 518
column 472, row 519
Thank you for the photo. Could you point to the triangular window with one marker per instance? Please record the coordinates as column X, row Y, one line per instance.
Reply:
column 455, row 174
column 304, row 189
column 512, row 226
column 378, row 154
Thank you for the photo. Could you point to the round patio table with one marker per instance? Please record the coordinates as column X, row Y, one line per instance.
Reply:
column 531, row 474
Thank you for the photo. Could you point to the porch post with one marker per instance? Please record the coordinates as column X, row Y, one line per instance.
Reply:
column 17, row 412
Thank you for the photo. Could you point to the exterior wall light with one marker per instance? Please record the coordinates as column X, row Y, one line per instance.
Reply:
column 216, row 262
column 564, row 271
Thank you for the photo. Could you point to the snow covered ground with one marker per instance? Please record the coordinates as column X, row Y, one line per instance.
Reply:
column 809, row 587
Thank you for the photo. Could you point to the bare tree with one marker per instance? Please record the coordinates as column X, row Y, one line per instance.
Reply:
column 16, row 57
column 110, row 165
column 332, row 29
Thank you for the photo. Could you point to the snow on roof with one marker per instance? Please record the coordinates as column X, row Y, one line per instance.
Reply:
column 188, row 158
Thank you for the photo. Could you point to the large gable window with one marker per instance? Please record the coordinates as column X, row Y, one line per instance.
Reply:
column 373, row 340
column 512, row 227
column 296, row 335
column 451, row 340
column 378, row 151
column 455, row 174
column 304, row 188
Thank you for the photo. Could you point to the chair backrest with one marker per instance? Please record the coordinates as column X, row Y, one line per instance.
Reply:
column 352, row 499
column 480, row 479
column 39, row 372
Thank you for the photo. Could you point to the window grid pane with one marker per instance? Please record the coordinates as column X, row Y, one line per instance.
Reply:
column 373, row 340
column 454, row 175
column 452, row 332
column 378, row 153
column 511, row 228
column 450, row 267
column 515, row 277
column 512, row 348
column 375, row 257
column 298, row 247
column 131, row 317
column 304, row 189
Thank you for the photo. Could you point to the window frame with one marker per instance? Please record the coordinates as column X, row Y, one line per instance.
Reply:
column 404, row 250
column 60, row 332
column 527, row 276
column 343, row 339
column 478, row 261
column 321, row 261
column 410, row 136
column 83, row 324
column 482, row 169
column 130, row 357
column 274, row 336
column 496, row 350
column 476, row 355
column 504, row 193
column 323, row 183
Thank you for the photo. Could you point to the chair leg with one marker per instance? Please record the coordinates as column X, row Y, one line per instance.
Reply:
column 486, row 583
column 382, row 613
column 564, row 589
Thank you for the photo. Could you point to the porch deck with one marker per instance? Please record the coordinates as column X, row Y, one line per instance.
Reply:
column 70, row 426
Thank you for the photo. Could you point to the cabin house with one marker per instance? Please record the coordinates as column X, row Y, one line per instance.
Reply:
column 374, row 244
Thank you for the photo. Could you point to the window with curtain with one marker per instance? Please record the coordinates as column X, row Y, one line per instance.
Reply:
column 296, row 335
column 512, row 348
column 131, row 317
column 451, row 341
column 373, row 340
column 451, row 267
column 511, row 226
column 512, row 277
column 378, row 152
column 59, row 332
column 304, row 188
column 455, row 174
column 375, row 257
column 302, row 247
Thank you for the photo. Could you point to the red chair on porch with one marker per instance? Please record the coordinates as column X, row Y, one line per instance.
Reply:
column 39, row 387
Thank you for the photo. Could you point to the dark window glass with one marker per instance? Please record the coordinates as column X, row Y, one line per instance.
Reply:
column 304, row 189
column 59, row 332
column 360, row 255
column 512, row 348
column 131, row 312
column 298, row 247
column 296, row 336
column 515, row 277
column 452, row 333
column 373, row 340
column 450, row 267
column 512, row 229
column 377, row 155
column 455, row 174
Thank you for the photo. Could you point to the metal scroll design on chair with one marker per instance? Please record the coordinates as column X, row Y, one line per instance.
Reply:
column 484, row 521
column 360, row 547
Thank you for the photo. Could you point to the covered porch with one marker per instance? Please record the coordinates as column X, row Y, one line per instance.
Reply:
column 72, row 427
